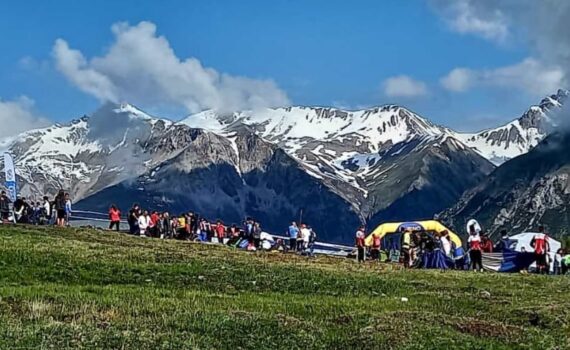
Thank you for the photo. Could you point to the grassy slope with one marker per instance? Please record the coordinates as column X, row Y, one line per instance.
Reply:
column 79, row 288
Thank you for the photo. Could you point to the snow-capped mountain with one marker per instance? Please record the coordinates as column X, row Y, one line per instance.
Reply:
column 519, row 136
column 341, row 167
column 530, row 190
column 229, row 178
column 341, row 145
column 87, row 154
column 372, row 158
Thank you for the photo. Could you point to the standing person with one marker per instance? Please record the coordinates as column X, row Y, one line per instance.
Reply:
column 446, row 243
column 293, row 233
column 182, row 228
column 248, row 231
column 375, row 251
column 60, row 208
column 204, row 230
column 166, row 227
column 114, row 218
column 153, row 225
column 312, row 241
column 300, row 239
column 189, row 225
column 4, row 207
column 46, row 212
column 541, row 247
column 360, row 236
column 405, row 247
column 133, row 219
column 220, row 231
column 67, row 209
column 159, row 226
column 257, row 235
column 144, row 223
column 193, row 224
column 174, row 226
column 474, row 241
column 306, row 235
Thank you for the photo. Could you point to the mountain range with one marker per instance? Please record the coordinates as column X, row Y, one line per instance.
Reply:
column 336, row 168
column 523, row 193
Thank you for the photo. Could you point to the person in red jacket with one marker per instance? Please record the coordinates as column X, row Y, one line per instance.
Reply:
column 153, row 226
column 486, row 244
column 474, row 242
column 220, row 231
column 360, row 236
column 541, row 247
column 375, row 251
column 114, row 217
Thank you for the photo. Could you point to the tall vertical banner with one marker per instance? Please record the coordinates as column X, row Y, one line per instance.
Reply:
column 10, row 173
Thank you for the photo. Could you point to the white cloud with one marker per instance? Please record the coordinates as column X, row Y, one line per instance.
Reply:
column 529, row 75
column 458, row 80
column 543, row 25
column 17, row 116
column 404, row 86
column 75, row 68
column 463, row 17
column 142, row 68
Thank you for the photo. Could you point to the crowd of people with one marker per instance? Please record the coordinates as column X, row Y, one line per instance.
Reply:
column 55, row 211
column 191, row 226
column 414, row 246
column 301, row 238
column 147, row 223
column 412, row 249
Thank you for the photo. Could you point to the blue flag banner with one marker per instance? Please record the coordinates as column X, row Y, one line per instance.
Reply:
column 10, row 173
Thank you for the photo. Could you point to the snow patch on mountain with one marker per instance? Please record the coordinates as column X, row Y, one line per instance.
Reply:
column 300, row 124
column 331, row 143
column 519, row 136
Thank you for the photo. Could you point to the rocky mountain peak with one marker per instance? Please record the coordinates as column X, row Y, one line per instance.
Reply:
column 380, row 163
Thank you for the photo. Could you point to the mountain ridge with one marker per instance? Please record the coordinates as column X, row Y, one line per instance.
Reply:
column 378, row 164
column 523, row 193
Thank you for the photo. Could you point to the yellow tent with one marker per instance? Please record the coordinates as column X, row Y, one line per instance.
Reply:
column 395, row 227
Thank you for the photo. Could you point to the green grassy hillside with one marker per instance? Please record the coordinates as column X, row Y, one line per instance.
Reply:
column 70, row 289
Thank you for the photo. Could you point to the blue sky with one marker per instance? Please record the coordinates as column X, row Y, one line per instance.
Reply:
column 338, row 53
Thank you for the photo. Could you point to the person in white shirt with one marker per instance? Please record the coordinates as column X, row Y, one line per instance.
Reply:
column 144, row 222
column 306, row 235
column 47, row 211
column 445, row 243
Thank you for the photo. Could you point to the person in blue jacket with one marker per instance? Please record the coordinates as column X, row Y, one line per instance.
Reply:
column 293, row 234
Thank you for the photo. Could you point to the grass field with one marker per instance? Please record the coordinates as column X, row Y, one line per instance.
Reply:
column 74, row 288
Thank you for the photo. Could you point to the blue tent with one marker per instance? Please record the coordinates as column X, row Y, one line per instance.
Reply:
column 436, row 260
column 507, row 261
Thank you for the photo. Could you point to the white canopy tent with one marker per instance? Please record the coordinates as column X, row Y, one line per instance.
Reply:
column 521, row 242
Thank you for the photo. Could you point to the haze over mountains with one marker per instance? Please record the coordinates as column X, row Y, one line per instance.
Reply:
column 342, row 168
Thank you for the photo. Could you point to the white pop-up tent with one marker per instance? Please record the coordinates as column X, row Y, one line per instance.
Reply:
column 521, row 242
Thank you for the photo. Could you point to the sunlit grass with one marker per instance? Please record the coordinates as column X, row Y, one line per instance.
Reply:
column 91, row 289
